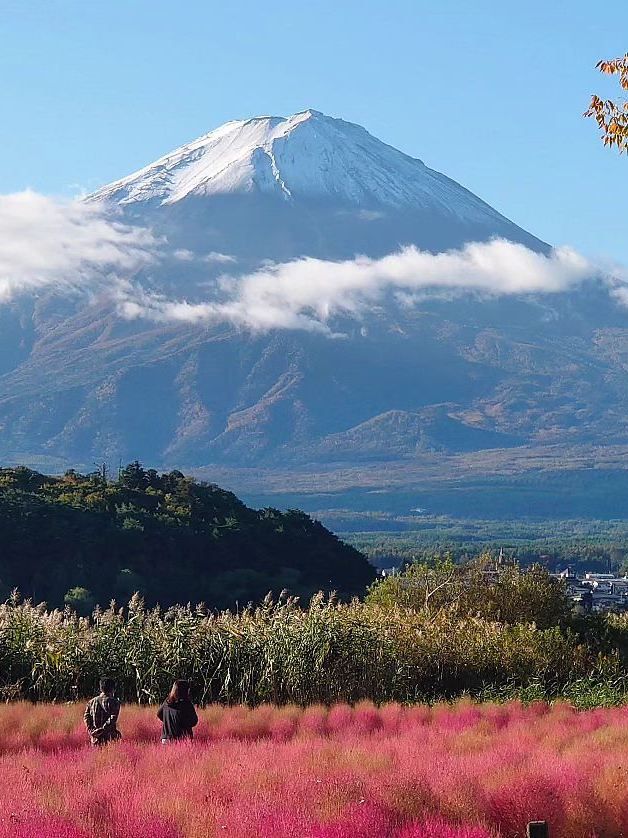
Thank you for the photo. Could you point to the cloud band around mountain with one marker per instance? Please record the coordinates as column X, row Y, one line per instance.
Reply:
column 308, row 293
column 73, row 247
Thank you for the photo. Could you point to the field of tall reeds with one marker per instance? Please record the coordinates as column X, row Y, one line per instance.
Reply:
column 281, row 653
column 444, row 771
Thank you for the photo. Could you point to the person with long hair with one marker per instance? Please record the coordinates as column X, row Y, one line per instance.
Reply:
column 177, row 713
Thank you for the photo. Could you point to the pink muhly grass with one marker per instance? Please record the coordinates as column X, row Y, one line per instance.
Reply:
column 145, row 827
column 416, row 717
column 40, row 826
column 282, row 728
column 360, row 821
column 392, row 716
column 261, row 819
column 452, row 771
column 438, row 828
column 340, row 719
column 366, row 718
column 313, row 721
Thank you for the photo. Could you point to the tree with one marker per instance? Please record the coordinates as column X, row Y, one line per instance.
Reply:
column 421, row 586
column 612, row 117
column 133, row 476
column 503, row 594
column 80, row 600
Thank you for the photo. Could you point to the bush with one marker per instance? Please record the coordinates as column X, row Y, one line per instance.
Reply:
column 508, row 594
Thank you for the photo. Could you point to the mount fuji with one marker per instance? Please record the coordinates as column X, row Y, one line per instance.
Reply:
column 451, row 385
column 306, row 185
column 308, row 156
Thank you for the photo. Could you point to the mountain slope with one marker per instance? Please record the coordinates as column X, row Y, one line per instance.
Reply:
column 447, row 374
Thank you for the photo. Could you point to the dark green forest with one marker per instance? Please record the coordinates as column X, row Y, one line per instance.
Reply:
column 82, row 540
column 599, row 546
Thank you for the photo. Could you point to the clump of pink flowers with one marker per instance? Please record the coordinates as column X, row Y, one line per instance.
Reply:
column 448, row 771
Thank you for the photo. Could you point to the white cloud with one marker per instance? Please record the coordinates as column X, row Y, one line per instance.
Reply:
column 370, row 215
column 184, row 255
column 307, row 293
column 67, row 245
column 214, row 257
column 219, row 258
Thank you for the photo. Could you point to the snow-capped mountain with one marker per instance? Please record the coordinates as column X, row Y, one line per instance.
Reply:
column 445, row 376
column 307, row 185
column 306, row 156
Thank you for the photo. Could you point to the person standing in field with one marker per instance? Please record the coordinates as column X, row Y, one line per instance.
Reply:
column 177, row 714
column 101, row 715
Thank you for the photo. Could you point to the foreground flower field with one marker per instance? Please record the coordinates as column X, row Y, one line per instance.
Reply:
column 462, row 771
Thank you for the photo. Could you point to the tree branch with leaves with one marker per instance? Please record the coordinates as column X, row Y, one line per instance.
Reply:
column 612, row 117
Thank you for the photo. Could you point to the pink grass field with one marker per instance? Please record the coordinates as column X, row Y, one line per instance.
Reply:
column 461, row 771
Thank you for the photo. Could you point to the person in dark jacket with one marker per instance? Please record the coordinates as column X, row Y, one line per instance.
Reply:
column 101, row 715
column 177, row 713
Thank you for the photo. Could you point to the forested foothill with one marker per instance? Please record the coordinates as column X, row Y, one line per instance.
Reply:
column 82, row 540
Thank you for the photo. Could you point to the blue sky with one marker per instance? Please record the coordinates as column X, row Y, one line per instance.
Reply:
column 489, row 92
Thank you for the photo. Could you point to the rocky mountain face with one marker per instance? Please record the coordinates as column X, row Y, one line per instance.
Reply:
column 448, row 374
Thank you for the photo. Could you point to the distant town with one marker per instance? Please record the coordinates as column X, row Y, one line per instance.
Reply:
column 590, row 592
column 596, row 591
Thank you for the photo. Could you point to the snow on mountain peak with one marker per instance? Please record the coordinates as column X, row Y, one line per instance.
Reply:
column 307, row 155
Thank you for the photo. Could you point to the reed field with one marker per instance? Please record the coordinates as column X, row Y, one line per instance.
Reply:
column 447, row 771
column 281, row 653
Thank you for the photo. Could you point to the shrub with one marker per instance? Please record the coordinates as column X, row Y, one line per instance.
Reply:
column 81, row 600
column 478, row 588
